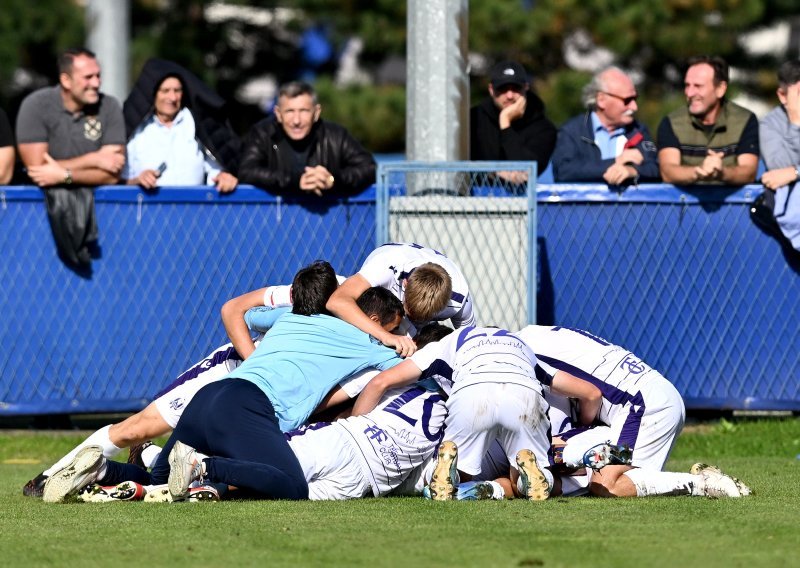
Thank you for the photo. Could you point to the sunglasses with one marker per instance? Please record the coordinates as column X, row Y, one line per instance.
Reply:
column 625, row 100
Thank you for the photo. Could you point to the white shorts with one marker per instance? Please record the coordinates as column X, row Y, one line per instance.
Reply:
column 214, row 367
column 658, row 428
column 330, row 464
column 513, row 414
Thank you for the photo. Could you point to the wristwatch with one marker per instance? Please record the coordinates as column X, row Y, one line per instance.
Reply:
column 67, row 176
column 797, row 173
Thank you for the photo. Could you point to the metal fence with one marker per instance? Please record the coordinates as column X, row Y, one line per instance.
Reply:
column 151, row 307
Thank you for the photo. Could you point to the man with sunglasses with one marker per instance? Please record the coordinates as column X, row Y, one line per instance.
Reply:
column 606, row 143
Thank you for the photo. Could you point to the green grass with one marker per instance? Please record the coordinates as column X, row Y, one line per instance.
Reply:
column 671, row 531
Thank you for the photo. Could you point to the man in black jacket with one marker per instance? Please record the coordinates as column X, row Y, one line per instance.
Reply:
column 297, row 153
column 510, row 124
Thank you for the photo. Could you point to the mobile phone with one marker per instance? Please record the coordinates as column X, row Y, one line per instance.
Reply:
column 161, row 168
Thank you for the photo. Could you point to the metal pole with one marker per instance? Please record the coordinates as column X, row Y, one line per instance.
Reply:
column 437, row 108
column 108, row 35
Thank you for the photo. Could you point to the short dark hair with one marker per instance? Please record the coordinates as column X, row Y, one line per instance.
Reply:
column 67, row 58
column 788, row 73
column 430, row 333
column 380, row 302
column 297, row 88
column 719, row 65
column 311, row 288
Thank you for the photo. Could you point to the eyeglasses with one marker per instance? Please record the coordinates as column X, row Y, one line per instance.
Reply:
column 625, row 100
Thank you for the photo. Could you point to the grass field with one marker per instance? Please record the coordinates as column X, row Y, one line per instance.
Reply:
column 761, row 530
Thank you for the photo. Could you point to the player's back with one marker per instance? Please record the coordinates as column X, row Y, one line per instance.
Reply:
column 398, row 435
column 581, row 353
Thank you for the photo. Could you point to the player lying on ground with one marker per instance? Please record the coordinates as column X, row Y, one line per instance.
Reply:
column 362, row 456
column 289, row 366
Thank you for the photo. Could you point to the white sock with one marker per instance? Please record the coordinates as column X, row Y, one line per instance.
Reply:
column 650, row 482
column 150, row 455
column 99, row 438
column 575, row 485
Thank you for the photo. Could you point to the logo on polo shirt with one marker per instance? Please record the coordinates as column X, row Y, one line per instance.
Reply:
column 92, row 129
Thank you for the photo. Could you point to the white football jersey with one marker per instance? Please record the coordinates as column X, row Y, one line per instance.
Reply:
column 398, row 435
column 388, row 265
column 475, row 355
column 621, row 376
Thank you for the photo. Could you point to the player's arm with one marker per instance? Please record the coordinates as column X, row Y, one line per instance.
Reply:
column 589, row 396
column 233, row 312
column 400, row 375
column 342, row 304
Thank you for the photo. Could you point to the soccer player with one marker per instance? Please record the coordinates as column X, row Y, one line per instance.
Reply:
column 494, row 393
column 430, row 285
column 308, row 353
column 642, row 411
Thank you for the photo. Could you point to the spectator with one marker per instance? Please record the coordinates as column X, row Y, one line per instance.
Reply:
column 297, row 153
column 607, row 142
column 780, row 137
column 6, row 149
column 712, row 140
column 72, row 138
column 510, row 123
column 178, row 132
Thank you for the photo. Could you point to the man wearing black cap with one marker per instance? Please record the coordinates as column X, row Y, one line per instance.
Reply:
column 510, row 124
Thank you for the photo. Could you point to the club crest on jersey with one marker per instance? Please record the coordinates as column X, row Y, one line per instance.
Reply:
column 632, row 365
column 176, row 403
column 92, row 129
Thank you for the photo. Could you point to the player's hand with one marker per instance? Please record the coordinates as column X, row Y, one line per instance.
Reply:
column 793, row 103
column 225, row 182
column 47, row 174
column 513, row 111
column 630, row 156
column 110, row 160
column 616, row 174
column 403, row 344
column 774, row 179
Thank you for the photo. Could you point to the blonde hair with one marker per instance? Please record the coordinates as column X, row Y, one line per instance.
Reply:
column 428, row 291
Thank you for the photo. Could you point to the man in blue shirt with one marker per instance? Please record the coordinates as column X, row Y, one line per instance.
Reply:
column 606, row 143
column 239, row 420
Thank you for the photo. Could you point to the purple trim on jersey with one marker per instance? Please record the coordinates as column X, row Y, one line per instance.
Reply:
column 614, row 395
column 542, row 376
column 305, row 428
column 611, row 393
column 219, row 358
column 457, row 297
column 438, row 368
column 574, row 431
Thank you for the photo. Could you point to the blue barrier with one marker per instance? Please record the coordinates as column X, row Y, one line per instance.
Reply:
column 151, row 307
column 683, row 279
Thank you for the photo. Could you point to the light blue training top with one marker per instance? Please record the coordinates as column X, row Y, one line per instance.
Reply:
column 304, row 357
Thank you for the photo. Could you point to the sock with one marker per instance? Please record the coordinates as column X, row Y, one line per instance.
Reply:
column 575, row 485
column 150, row 455
column 650, row 482
column 99, row 438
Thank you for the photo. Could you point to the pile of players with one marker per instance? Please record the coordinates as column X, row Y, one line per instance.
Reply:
column 350, row 391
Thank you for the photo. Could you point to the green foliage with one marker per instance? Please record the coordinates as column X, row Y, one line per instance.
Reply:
column 375, row 116
column 32, row 38
column 662, row 531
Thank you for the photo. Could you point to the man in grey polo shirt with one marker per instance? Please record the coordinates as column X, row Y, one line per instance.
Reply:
column 71, row 138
